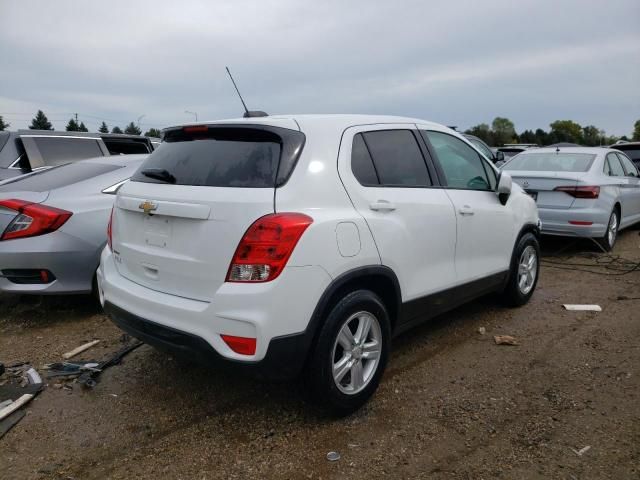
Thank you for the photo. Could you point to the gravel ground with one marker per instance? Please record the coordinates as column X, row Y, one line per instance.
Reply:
column 452, row 404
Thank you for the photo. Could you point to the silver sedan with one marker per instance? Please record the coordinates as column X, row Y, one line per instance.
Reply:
column 53, row 224
column 580, row 191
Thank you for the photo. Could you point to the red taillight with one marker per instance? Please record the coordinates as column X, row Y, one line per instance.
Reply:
column 266, row 246
column 580, row 222
column 580, row 191
column 32, row 219
column 110, row 230
column 241, row 345
column 196, row 129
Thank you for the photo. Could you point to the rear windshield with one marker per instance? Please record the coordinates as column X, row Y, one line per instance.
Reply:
column 58, row 177
column 60, row 150
column 551, row 162
column 117, row 146
column 632, row 153
column 225, row 157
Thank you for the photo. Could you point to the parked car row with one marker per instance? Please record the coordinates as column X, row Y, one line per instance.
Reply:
column 298, row 246
column 27, row 150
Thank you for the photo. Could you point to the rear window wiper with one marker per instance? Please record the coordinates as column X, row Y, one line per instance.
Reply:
column 159, row 174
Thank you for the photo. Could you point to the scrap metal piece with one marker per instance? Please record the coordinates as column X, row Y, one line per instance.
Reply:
column 33, row 376
column 333, row 456
column 89, row 378
column 9, row 422
column 9, row 409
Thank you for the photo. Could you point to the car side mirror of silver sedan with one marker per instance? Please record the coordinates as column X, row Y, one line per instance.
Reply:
column 504, row 187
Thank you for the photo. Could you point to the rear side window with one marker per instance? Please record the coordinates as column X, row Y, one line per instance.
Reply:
column 615, row 167
column 226, row 157
column 628, row 165
column 397, row 158
column 362, row 164
column 463, row 167
column 58, row 177
column 59, row 150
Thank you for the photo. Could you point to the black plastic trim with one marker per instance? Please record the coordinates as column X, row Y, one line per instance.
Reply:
column 422, row 309
column 284, row 358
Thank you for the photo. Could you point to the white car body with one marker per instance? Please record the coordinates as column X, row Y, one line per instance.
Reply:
column 167, row 270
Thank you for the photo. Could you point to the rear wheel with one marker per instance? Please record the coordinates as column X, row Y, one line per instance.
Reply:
column 351, row 353
column 611, row 235
column 523, row 276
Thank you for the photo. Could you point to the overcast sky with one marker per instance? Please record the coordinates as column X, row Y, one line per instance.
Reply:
column 454, row 62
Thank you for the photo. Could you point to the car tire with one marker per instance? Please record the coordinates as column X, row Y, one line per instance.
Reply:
column 524, row 271
column 611, row 235
column 357, row 360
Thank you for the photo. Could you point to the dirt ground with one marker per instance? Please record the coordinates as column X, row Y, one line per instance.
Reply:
column 452, row 403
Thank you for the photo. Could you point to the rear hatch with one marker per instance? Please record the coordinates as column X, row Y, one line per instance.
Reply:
column 177, row 223
column 541, row 173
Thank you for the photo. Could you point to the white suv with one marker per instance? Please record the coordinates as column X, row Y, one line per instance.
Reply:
column 303, row 243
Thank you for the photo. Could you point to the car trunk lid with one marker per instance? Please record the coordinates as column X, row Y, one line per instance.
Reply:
column 542, row 186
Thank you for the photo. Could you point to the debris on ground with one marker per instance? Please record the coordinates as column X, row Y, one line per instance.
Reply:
column 17, row 388
column 582, row 308
column 582, row 451
column 333, row 456
column 79, row 349
column 89, row 378
column 482, row 330
column 624, row 297
column 505, row 340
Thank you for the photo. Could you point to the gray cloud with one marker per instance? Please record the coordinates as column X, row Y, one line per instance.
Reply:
column 456, row 63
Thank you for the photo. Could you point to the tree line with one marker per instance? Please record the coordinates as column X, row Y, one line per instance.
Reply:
column 41, row 122
column 503, row 131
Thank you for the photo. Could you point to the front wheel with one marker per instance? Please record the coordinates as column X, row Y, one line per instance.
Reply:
column 523, row 275
column 351, row 353
column 611, row 235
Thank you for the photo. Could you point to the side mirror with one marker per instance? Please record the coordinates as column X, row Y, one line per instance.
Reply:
column 504, row 187
column 499, row 156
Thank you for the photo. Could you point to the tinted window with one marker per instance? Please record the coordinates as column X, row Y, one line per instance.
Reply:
column 59, row 150
column 221, row 157
column 615, row 166
column 632, row 152
column 397, row 158
column 462, row 165
column 551, row 162
column 628, row 165
column 58, row 177
column 125, row 147
column 361, row 163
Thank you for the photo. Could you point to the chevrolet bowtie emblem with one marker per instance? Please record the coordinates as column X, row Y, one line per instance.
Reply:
column 148, row 206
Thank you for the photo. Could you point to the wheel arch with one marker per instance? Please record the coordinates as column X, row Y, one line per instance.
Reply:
column 380, row 279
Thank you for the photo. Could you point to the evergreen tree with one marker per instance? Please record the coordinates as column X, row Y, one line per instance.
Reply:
column 132, row 129
column 40, row 122
column 153, row 132
column 116, row 130
column 72, row 126
column 636, row 131
column 3, row 125
column 103, row 128
column 82, row 127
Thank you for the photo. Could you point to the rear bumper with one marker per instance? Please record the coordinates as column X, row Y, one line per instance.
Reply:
column 556, row 222
column 275, row 313
column 71, row 260
column 284, row 358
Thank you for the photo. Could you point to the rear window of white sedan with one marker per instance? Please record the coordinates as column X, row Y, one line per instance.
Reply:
column 551, row 162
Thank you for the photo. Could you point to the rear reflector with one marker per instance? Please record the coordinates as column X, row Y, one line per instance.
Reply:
column 578, row 222
column 23, row 276
column 580, row 191
column 32, row 219
column 110, row 230
column 241, row 345
column 266, row 247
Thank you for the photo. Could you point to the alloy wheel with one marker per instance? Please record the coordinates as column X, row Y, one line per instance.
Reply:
column 527, row 269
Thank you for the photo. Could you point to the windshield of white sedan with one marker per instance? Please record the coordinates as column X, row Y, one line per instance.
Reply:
column 551, row 162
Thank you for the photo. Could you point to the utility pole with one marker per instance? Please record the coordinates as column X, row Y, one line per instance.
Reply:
column 76, row 117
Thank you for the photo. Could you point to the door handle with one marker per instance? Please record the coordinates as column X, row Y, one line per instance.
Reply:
column 466, row 210
column 382, row 206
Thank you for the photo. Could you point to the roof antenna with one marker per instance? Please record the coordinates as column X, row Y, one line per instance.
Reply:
column 247, row 113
